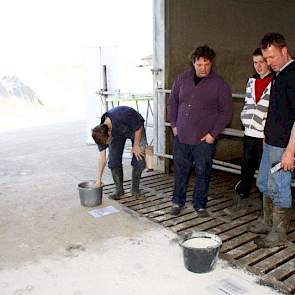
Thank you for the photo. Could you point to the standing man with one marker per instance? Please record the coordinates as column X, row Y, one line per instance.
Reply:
column 253, row 117
column 279, row 144
column 118, row 125
column 199, row 108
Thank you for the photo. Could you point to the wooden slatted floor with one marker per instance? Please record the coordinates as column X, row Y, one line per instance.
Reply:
column 275, row 266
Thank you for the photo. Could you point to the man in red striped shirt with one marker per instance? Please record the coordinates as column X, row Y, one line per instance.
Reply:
column 253, row 117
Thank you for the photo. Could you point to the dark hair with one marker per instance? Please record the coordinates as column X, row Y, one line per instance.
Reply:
column 275, row 39
column 100, row 134
column 203, row 51
column 257, row 52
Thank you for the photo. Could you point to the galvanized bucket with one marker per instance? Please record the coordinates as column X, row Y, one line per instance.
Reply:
column 90, row 194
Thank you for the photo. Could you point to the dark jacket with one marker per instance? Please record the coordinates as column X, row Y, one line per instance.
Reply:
column 281, row 111
column 125, row 121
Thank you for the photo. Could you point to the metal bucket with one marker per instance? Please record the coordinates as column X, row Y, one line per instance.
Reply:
column 200, row 251
column 90, row 194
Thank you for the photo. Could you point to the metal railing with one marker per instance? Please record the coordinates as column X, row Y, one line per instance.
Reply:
column 115, row 98
column 217, row 164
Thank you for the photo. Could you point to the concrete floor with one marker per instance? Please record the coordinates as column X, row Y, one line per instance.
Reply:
column 51, row 245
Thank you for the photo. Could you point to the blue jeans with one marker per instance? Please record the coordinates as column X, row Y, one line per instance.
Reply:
column 185, row 157
column 277, row 186
column 116, row 149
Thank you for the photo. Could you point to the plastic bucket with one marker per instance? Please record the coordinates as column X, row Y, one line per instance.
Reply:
column 90, row 194
column 200, row 251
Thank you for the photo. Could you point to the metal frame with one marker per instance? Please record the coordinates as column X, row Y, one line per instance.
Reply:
column 217, row 164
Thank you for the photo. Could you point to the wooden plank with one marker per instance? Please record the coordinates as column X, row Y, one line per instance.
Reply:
column 290, row 283
column 237, row 241
column 208, row 225
column 159, row 215
column 220, row 206
column 167, row 216
column 156, row 212
column 144, row 178
column 128, row 199
column 224, row 228
column 258, row 255
column 186, row 215
column 283, row 271
column 275, row 260
column 153, row 208
column 160, row 182
column 190, row 223
column 131, row 201
column 158, row 199
column 235, row 231
column 242, row 250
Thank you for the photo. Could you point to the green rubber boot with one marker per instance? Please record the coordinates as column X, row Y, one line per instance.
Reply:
column 278, row 234
column 117, row 174
column 264, row 223
column 136, row 174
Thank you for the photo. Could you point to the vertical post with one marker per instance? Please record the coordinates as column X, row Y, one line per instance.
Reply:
column 104, row 85
column 159, row 81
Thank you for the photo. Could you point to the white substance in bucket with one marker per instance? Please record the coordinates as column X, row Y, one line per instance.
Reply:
column 200, row 243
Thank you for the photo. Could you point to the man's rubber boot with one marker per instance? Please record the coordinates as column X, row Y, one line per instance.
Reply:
column 278, row 234
column 117, row 174
column 240, row 202
column 264, row 224
column 136, row 174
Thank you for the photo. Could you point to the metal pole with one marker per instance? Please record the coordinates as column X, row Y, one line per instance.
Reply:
column 105, row 85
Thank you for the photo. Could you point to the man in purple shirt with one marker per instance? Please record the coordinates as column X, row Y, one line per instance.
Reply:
column 199, row 108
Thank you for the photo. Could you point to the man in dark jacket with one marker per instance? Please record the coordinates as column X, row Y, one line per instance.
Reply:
column 279, row 144
column 199, row 108
column 118, row 125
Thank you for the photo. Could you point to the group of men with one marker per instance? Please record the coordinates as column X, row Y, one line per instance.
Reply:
column 199, row 108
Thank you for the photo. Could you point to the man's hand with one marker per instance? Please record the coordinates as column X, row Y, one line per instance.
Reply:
column 137, row 152
column 208, row 138
column 174, row 130
column 287, row 161
column 99, row 183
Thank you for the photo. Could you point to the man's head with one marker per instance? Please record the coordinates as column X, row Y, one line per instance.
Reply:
column 259, row 63
column 202, row 58
column 275, row 51
column 100, row 134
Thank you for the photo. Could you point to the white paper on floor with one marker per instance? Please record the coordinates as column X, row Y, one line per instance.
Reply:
column 230, row 286
column 100, row 212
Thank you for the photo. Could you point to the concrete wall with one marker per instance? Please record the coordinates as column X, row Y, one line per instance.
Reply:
column 233, row 28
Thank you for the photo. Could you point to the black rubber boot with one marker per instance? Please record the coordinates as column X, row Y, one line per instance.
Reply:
column 240, row 202
column 117, row 174
column 136, row 174
column 264, row 223
column 278, row 234
column 240, row 199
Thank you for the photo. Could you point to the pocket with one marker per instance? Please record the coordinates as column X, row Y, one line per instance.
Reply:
column 207, row 143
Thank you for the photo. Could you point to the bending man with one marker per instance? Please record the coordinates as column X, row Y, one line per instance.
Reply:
column 118, row 125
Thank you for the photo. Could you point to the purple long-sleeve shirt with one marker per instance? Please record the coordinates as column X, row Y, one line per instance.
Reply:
column 199, row 109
